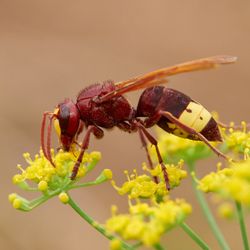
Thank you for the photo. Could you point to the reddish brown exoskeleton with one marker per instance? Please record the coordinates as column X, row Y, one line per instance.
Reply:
column 103, row 105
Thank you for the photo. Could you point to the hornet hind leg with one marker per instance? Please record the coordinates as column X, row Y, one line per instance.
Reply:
column 144, row 133
column 192, row 132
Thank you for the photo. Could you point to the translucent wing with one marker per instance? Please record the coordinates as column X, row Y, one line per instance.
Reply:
column 159, row 76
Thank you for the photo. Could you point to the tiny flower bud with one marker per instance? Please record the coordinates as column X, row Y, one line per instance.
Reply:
column 43, row 186
column 231, row 124
column 63, row 197
column 26, row 155
column 243, row 124
column 114, row 210
column 17, row 203
column 115, row 244
column 144, row 166
column 17, row 178
column 12, row 197
column 81, row 172
column 108, row 173
column 226, row 211
column 96, row 155
column 219, row 165
column 187, row 209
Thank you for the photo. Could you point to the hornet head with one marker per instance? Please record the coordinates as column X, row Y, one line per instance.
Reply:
column 67, row 124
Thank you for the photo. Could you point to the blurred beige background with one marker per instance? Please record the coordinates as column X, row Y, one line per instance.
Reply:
column 50, row 50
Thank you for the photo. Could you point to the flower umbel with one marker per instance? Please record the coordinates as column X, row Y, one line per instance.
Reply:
column 174, row 148
column 146, row 186
column 237, row 140
column 42, row 177
column 231, row 183
column 147, row 223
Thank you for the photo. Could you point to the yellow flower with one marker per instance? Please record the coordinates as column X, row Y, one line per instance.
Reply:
column 63, row 197
column 115, row 244
column 51, row 181
column 237, row 140
column 42, row 185
column 46, row 176
column 108, row 173
column 12, row 197
column 147, row 223
column 17, row 203
column 145, row 186
column 174, row 148
column 226, row 210
column 232, row 183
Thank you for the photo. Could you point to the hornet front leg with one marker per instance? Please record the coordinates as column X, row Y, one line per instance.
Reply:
column 99, row 134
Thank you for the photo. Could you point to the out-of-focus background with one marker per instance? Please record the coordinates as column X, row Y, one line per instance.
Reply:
column 50, row 50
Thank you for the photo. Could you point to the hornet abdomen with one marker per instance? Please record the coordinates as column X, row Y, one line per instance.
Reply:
column 187, row 111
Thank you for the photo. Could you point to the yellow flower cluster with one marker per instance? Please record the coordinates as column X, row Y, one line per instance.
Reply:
column 237, row 140
column 231, row 183
column 174, row 148
column 175, row 173
column 145, row 186
column 147, row 223
column 47, row 176
column 52, row 181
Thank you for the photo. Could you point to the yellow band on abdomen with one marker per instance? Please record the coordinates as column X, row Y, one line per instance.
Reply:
column 195, row 116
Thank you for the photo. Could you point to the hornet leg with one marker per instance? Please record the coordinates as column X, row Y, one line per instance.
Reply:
column 192, row 131
column 47, row 148
column 153, row 141
column 144, row 145
column 134, row 127
column 91, row 129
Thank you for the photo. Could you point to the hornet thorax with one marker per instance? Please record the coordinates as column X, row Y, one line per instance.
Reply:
column 105, row 114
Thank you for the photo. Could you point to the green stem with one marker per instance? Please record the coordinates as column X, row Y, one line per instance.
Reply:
column 94, row 224
column 86, row 184
column 99, row 180
column 207, row 212
column 158, row 246
column 194, row 236
column 92, row 165
column 242, row 225
column 38, row 201
column 41, row 199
